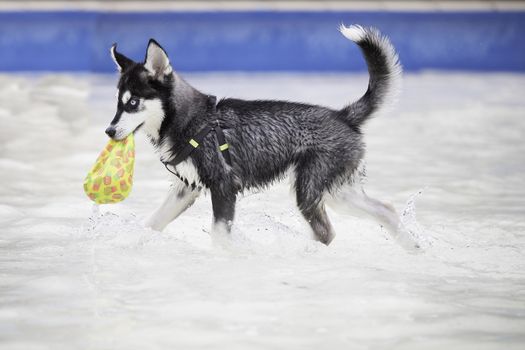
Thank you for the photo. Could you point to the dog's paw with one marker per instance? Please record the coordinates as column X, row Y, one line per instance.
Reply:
column 150, row 225
column 408, row 240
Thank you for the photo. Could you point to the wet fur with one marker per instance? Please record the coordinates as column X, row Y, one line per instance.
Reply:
column 323, row 146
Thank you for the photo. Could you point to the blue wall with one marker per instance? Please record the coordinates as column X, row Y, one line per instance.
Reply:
column 259, row 41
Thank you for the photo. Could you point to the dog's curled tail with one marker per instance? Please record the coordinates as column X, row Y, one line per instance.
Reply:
column 384, row 69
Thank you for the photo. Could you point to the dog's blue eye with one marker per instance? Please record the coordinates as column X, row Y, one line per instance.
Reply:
column 134, row 102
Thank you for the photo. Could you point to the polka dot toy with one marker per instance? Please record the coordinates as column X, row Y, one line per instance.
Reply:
column 111, row 177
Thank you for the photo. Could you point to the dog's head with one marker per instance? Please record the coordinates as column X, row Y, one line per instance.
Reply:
column 142, row 88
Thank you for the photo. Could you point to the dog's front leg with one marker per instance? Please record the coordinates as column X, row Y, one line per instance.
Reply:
column 178, row 199
column 223, row 213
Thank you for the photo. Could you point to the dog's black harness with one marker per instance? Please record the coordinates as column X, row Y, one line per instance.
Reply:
column 196, row 141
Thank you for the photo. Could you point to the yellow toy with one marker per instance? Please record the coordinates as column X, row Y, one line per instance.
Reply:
column 111, row 178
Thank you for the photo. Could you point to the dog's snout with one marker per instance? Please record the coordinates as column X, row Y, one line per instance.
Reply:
column 111, row 131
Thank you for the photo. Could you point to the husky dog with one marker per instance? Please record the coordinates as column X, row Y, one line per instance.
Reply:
column 323, row 147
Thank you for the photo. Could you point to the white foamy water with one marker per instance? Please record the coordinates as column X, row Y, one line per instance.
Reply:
column 450, row 157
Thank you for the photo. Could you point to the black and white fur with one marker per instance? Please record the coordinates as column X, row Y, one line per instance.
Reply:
column 323, row 147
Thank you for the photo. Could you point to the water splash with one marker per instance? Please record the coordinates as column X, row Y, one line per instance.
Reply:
column 261, row 234
column 410, row 223
column 123, row 231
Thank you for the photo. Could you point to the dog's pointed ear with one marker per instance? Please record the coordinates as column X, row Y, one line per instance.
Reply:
column 120, row 60
column 157, row 62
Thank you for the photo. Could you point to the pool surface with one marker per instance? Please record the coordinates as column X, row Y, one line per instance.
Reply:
column 450, row 156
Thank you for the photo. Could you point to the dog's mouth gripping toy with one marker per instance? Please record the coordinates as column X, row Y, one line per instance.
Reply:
column 111, row 177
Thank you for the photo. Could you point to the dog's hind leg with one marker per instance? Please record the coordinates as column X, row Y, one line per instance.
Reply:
column 178, row 199
column 223, row 213
column 320, row 224
column 352, row 200
column 310, row 190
